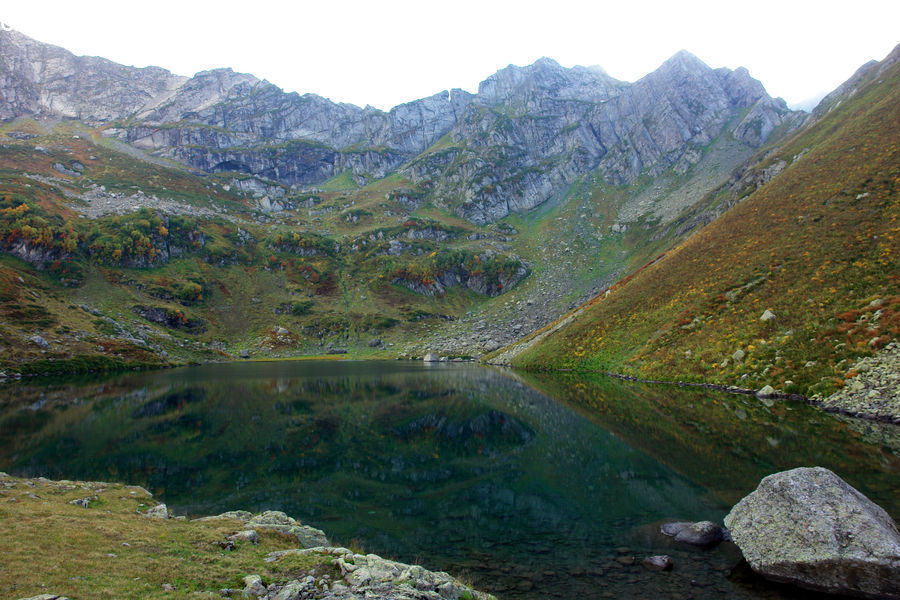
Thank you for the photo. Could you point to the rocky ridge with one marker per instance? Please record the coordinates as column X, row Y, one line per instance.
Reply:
column 523, row 139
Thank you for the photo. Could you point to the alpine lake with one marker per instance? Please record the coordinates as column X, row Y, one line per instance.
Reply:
column 525, row 485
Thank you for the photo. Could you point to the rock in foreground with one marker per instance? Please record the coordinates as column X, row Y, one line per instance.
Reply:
column 809, row 527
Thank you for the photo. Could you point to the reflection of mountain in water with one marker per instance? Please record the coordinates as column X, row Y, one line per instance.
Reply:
column 461, row 465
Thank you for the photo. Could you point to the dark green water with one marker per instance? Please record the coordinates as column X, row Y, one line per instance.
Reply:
column 529, row 486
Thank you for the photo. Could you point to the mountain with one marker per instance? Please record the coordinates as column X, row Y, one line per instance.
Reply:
column 149, row 217
column 790, row 287
column 527, row 135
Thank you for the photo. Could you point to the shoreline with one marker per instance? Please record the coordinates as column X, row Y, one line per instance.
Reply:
column 823, row 404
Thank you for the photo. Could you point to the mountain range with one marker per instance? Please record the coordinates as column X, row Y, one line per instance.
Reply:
column 180, row 218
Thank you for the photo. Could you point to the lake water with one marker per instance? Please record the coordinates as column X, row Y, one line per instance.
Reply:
column 529, row 486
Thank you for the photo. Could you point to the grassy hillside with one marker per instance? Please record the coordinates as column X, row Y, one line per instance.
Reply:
column 111, row 258
column 817, row 246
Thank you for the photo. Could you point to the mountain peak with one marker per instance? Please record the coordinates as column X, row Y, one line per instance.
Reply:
column 546, row 61
column 684, row 60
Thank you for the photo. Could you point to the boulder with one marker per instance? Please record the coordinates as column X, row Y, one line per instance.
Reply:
column 767, row 315
column 809, row 527
column 431, row 357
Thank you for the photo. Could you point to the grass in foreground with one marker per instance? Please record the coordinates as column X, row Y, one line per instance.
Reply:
column 108, row 550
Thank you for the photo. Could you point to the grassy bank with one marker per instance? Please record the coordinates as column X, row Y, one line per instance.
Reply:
column 108, row 550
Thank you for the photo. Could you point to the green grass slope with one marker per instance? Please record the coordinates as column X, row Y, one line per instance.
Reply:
column 817, row 246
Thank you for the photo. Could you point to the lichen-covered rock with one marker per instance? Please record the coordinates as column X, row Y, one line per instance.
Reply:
column 370, row 576
column 275, row 520
column 157, row 512
column 808, row 527
column 248, row 535
column 238, row 515
column 253, row 586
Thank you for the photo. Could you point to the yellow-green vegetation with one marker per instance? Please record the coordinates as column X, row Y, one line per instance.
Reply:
column 817, row 246
column 109, row 550
column 199, row 272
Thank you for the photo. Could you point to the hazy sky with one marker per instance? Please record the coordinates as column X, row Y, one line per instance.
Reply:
column 386, row 53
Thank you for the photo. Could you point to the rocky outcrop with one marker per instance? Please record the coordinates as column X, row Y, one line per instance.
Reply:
column 174, row 319
column 363, row 576
column 808, row 527
column 273, row 520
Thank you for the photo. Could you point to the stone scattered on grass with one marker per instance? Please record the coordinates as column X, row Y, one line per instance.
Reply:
column 767, row 391
column 157, row 512
column 248, row 535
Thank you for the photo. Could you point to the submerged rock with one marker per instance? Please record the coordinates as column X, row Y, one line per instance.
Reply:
column 660, row 563
column 808, row 527
column 701, row 533
column 674, row 528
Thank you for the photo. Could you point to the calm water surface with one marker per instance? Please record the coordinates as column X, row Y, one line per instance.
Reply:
column 529, row 486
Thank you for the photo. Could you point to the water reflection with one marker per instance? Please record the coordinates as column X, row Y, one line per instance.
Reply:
column 460, row 467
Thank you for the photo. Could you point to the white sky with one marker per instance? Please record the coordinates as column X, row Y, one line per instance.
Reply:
column 386, row 53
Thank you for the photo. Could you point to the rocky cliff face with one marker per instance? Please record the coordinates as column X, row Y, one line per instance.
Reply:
column 532, row 131
column 528, row 134
column 43, row 80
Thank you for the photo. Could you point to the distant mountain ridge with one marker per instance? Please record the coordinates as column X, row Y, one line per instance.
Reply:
column 525, row 137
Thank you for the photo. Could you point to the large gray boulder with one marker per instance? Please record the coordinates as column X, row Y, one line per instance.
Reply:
column 809, row 527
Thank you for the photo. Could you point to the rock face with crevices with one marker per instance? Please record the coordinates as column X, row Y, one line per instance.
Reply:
column 809, row 527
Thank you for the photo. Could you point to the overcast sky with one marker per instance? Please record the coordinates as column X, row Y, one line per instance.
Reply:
column 386, row 53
